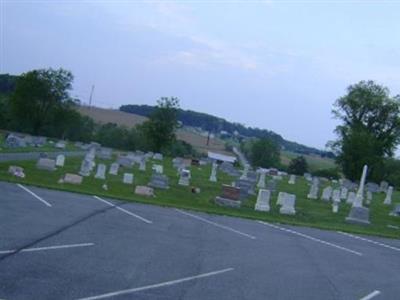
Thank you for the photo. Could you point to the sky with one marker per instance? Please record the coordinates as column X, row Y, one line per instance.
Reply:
column 277, row 65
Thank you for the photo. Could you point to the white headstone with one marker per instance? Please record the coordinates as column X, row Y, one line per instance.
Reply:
column 292, row 179
column 343, row 193
column 279, row 200
column 288, row 205
column 128, row 178
column 114, row 169
column 336, row 196
column 60, row 160
column 326, row 193
column 388, row 198
column 158, row 169
column 263, row 198
column 213, row 176
column 351, row 197
column 101, row 171
column 261, row 180
column 184, row 177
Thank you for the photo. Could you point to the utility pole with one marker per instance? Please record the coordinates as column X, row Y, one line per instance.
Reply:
column 91, row 95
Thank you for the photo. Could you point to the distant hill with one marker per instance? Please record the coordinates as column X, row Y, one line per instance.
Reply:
column 217, row 125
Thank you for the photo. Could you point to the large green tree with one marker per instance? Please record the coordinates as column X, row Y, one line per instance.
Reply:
column 264, row 153
column 38, row 96
column 369, row 129
column 298, row 165
column 162, row 124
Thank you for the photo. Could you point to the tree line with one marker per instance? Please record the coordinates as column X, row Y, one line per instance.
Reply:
column 38, row 102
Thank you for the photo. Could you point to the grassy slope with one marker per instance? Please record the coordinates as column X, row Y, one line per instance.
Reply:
column 314, row 213
column 314, row 162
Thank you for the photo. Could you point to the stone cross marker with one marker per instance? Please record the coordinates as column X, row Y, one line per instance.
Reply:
column 388, row 198
column 263, row 198
column 128, row 178
column 60, row 160
column 101, row 172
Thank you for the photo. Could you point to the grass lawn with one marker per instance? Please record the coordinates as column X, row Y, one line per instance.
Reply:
column 48, row 147
column 312, row 213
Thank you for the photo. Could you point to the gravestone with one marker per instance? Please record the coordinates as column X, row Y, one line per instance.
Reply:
column 46, row 164
column 160, row 181
column 358, row 215
column 158, row 156
column 336, row 196
column 372, row 187
column 14, row 141
column 86, row 167
column 335, row 207
column 229, row 169
column 125, row 161
column 292, row 179
column 288, row 205
column 327, row 193
column 245, row 171
column 308, row 176
column 263, row 198
column 142, row 165
column 246, row 188
column 343, row 193
column 313, row 194
column 396, row 211
column 388, row 198
column 43, row 155
column 105, row 153
column 101, row 172
column 60, row 160
column 252, row 176
column 213, row 176
column 383, row 186
column 16, row 171
column 184, row 177
column 60, row 145
column 279, row 200
column 351, row 197
column 230, row 197
column 369, row 197
column 114, row 169
column 128, row 178
column 144, row 191
column 271, row 185
column 158, row 169
column 261, row 180
column 72, row 179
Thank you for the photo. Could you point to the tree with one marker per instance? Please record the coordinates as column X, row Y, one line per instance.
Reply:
column 160, row 128
column 298, row 165
column 265, row 153
column 38, row 94
column 370, row 129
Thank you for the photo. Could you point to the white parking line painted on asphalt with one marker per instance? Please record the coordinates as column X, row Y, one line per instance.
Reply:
column 157, row 285
column 369, row 241
column 124, row 210
column 216, row 224
column 371, row 295
column 48, row 248
column 310, row 238
column 34, row 195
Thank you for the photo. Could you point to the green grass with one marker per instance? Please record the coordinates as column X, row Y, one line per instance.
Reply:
column 314, row 162
column 312, row 213
column 48, row 147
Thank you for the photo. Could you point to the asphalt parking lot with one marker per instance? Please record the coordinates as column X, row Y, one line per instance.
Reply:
column 58, row 245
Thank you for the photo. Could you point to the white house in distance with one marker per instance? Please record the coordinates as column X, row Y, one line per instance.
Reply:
column 221, row 157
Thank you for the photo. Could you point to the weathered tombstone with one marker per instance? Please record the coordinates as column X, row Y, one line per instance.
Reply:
column 288, row 205
column 343, row 193
column 245, row 171
column 184, row 177
column 252, row 176
column 14, row 141
column 158, row 169
column 114, row 169
column 327, row 193
column 105, row 153
column 144, row 191
column 46, row 164
column 160, row 181
column 101, row 171
column 72, row 179
column 358, row 215
column 336, row 196
column 125, row 161
column 279, row 200
column 60, row 160
column 86, row 167
column 261, row 180
column 128, row 178
column 388, row 198
column 372, row 187
column 213, row 176
column 369, row 197
column 351, row 197
column 263, row 198
column 142, row 165
column 335, row 207
column 158, row 156
column 313, row 194
column 230, row 197
column 383, row 186
column 292, row 179
column 60, row 145
column 246, row 188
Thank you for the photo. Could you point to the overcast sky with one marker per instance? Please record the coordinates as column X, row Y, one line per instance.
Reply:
column 277, row 65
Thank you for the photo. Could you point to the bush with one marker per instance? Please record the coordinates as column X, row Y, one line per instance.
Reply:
column 332, row 173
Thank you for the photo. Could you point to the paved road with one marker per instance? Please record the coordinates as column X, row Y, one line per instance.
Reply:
column 58, row 245
column 35, row 155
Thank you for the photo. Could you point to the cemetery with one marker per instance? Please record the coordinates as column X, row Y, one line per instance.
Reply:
column 219, row 188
